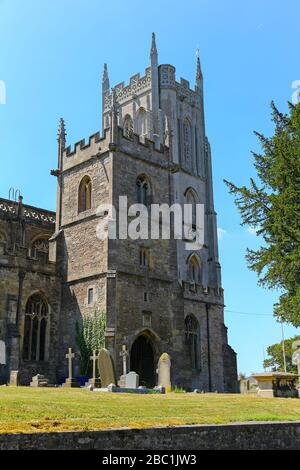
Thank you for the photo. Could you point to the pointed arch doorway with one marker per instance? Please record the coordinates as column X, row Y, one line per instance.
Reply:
column 142, row 360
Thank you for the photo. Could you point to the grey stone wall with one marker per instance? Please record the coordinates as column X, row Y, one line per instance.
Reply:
column 241, row 436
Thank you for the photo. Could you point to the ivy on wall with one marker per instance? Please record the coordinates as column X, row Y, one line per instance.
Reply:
column 90, row 336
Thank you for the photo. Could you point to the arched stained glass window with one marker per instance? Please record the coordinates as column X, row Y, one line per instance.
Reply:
column 35, row 329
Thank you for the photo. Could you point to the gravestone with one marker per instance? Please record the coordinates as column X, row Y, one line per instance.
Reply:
column 244, row 385
column 123, row 354
column 70, row 381
column 14, row 378
column 164, row 372
column 2, row 353
column 39, row 381
column 121, row 381
column 106, row 368
column 132, row 380
column 94, row 381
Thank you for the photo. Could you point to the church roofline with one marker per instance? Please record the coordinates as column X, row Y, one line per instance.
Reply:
column 10, row 208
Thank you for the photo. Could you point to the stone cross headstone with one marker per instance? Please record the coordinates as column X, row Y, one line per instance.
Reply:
column 95, row 381
column 70, row 356
column 106, row 368
column 124, row 354
column 164, row 372
column 70, row 382
column 2, row 353
column 132, row 380
column 94, row 358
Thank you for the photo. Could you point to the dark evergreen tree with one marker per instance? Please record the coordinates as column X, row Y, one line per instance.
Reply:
column 271, row 205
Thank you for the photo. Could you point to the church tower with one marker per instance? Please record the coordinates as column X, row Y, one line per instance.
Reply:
column 157, row 296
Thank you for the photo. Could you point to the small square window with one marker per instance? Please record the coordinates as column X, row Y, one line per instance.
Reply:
column 144, row 257
column 90, row 295
column 146, row 296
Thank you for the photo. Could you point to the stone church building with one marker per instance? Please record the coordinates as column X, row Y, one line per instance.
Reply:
column 157, row 296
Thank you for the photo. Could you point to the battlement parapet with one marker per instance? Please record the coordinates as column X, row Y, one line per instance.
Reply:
column 136, row 86
column 137, row 140
column 144, row 149
column 167, row 80
column 194, row 291
column 82, row 144
column 83, row 150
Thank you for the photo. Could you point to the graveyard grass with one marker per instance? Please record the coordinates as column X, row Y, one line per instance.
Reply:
column 29, row 410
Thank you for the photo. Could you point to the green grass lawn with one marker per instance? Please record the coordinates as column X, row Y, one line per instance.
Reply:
column 26, row 409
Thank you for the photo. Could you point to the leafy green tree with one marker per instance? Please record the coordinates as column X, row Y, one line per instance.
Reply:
column 271, row 205
column 275, row 361
column 90, row 336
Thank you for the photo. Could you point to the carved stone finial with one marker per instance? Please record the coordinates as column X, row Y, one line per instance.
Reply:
column 105, row 79
column 153, row 51
column 61, row 134
column 198, row 69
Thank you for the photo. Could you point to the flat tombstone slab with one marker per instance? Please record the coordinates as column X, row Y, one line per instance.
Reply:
column 276, row 384
column 132, row 380
column 2, row 353
column 39, row 381
column 106, row 368
column 164, row 372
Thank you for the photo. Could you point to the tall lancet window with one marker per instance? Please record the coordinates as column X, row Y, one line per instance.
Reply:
column 36, row 328
column 143, row 191
column 141, row 124
column 194, row 270
column 128, row 127
column 192, row 340
column 187, row 143
column 85, row 194
column 191, row 199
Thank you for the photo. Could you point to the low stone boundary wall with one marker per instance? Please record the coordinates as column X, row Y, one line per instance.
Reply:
column 258, row 435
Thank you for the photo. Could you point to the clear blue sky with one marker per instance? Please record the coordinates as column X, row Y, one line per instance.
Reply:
column 51, row 59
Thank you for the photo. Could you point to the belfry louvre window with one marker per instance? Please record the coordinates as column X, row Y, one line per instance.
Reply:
column 85, row 194
column 36, row 328
column 192, row 340
column 191, row 199
column 141, row 125
column 187, row 143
